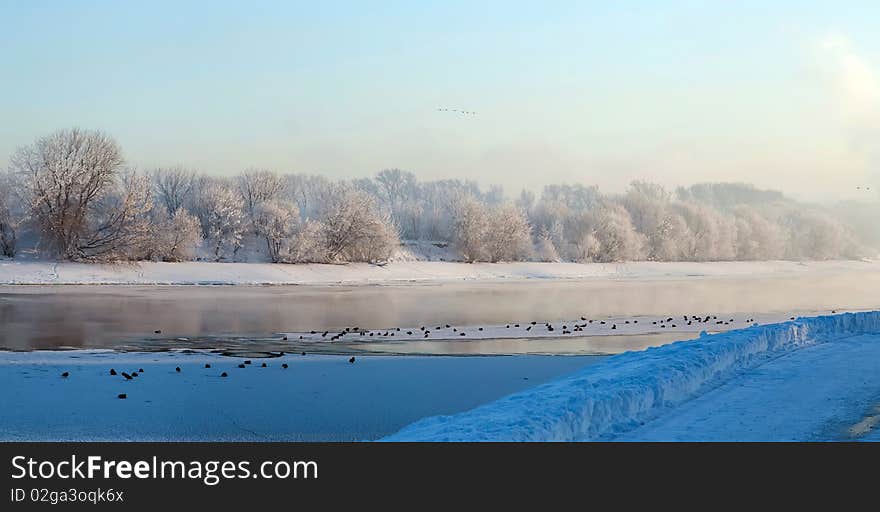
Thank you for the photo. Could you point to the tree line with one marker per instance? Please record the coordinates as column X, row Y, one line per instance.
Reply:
column 70, row 196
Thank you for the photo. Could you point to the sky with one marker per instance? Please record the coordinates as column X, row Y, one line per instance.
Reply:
column 782, row 94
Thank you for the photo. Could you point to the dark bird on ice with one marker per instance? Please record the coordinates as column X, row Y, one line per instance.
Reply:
column 207, row 365
column 224, row 374
column 351, row 360
column 177, row 369
column 127, row 376
column 241, row 366
column 284, row 365
column 263, row 365
column 112, row 371
column 122, row 396
column 65, row 374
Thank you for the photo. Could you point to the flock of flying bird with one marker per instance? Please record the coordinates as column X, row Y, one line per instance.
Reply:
column 466, row 112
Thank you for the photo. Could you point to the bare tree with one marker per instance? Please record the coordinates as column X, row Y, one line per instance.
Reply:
column 395, row 185
column 12, row 214
column 174, row 187
column 308, row 192
column 119, row 228
column 258, row 187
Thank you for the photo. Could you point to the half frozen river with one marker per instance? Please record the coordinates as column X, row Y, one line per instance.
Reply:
column 238, row 317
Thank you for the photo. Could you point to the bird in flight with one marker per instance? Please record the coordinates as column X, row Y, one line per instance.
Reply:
column 463, row 112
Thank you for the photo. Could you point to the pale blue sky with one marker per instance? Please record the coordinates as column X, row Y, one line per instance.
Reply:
column 782, row 93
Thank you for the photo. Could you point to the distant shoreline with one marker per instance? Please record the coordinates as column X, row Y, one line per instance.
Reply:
column 40, row 273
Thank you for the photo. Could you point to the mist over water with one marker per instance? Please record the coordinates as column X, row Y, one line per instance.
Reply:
column 91, row 316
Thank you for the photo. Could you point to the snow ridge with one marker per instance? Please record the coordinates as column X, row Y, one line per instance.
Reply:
column 631, row 388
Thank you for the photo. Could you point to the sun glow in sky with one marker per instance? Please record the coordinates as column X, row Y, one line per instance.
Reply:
column 783, row 94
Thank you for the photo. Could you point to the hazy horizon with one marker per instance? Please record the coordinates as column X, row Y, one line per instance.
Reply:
column 785, row 96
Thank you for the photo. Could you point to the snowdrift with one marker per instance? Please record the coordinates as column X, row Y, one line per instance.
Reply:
column 633, row 387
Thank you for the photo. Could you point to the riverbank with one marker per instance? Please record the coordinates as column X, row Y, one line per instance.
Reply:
column 811, row 379
column 204, row 273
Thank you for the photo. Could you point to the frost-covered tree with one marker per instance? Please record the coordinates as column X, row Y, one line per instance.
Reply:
column 65, row 174
column 221, row 213
column 470, row 226
column 670, row 240
column 815, row 235
column 354, row 228
column 714, row 236
column 305, row 246
column 275, row 223
column 545, row 250
column 175, row 237
column 726, row 196
column 616, row 237
column 509, row 236
column 756, row 237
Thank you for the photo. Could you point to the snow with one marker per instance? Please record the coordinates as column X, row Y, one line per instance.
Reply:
column 204, row 273
column 780, row 401
column 318, row 398
column 626, row 392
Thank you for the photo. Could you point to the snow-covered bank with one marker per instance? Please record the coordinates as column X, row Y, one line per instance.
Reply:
column 822, row 392
column 632, row 388
column 194, row 273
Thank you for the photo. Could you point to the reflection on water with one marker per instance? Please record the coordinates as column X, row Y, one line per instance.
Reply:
column 96, row 316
